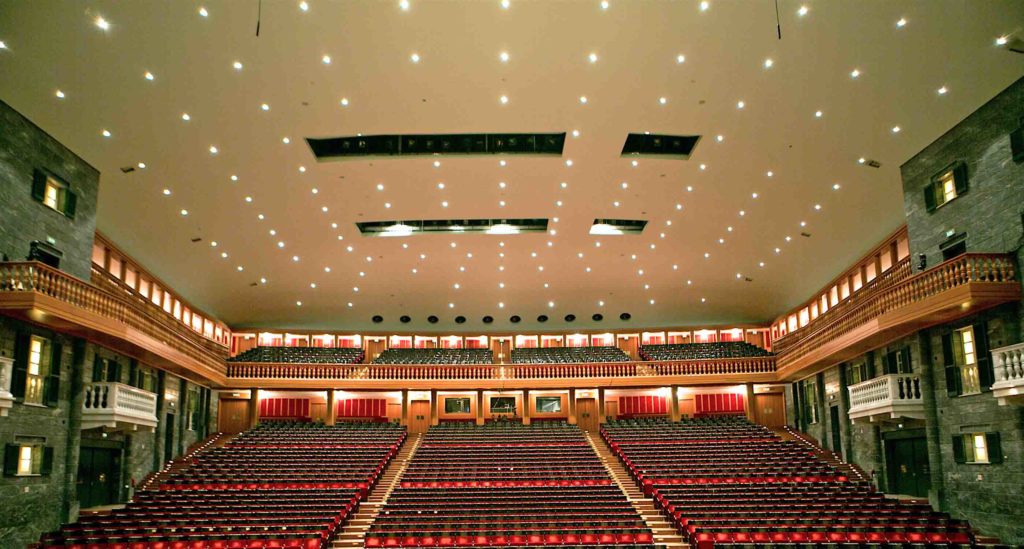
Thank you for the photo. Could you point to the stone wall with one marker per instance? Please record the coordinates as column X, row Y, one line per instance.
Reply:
column 24, row 148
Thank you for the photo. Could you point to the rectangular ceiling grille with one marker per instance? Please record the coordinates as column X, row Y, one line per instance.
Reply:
column 363, row 146
column 660, row 146
column 452, row 226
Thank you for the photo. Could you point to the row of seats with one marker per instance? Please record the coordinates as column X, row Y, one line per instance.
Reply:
column 301, row 355
column 568, row 355
column 507, row 484
column 279, row 485
column 699, row 351
column 726, row 482
column 435, row 356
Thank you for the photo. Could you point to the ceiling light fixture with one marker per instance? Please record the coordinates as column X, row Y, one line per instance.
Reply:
column 415, row 57
column 326, row 59
column 59, row 94
column 583, row 99
column 203, row 12
column 503, row 56
column 237, row 65
column 304, row 6
column 103, row 24
column 802, row 11
column 705, row 5
column 503, row 99
column 344, row 101
column 942, row 90
column 149, row 76
column 1002, row 40
column 768, row 63
column 854, row 73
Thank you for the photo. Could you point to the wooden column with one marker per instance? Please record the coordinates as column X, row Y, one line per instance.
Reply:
column 433, row 407
column 404, row 420
column 751, row 410
column 526, row 406
column 674, row 410
column 332, row 412
column 254, row 408
column 601, row 418
column 479, row 407
column 572, row 406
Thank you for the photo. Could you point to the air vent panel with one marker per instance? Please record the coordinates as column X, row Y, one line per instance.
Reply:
column 660, row 146
column 454, row 144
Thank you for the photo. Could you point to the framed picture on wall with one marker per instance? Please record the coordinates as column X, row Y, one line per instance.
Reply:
column 549, row 404
column 456, row 405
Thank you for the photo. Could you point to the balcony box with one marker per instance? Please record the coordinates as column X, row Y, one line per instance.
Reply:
column 892, row 397
column 118, row 406
column 1009, row 372
column 6, row 398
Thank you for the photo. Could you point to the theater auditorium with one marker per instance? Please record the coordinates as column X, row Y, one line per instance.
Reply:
column 396, row 274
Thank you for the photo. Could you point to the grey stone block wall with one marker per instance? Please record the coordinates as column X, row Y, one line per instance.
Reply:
column 24, row 147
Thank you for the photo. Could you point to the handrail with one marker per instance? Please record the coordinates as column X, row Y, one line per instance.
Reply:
column 977, row 268
column 33, row 276
column 724, row 366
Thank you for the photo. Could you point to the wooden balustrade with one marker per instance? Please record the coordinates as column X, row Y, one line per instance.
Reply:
column 391, row 372
column 891, row 295
column 42, row 279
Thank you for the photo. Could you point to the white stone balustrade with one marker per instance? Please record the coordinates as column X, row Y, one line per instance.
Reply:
column 6, row 398
column 1008, row 363
column 887, row 397
column 118, row 406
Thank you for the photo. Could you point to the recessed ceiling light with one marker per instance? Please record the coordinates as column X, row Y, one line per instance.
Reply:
column 689, row 282
column 105, row 133
column 368, row 258
column 768, row 63
column 604, row 4
column 1001, row 41
column 703, row 300
column 818, row 114
column 680, row 59
column 141, row 165
column 705, row 5
column 501, row 163
column 740, row 104
column 505, row 4
column 404, row 5
column 59, row 94
column 902, row 22
column 286, row 140
column 729, row 228
column 298, row 304
column 635, row 163
column 835, row 186
column 326, row 59
column 103, row 24
column 803, row 223
column 778, row 250
column 248, row 199
column 718, row 138
column 616, row 203
column 942, row 90
column 273, row 232
column 802, row 11
column 3, row 45
column 753, row 195
column 203, row 12
column 437, row 163
column 854, row 73
column 592, row 57
column 302, row 169
column 295, row 258
column 707, row 255
column 862, row 160
column 304, row 6
column 451, row 305
column 349, row 248
column 679, row 206
column 167, row 192
column 415, row 57
column 240, row 268
column 501, row 203
column 327, row 269
column 583, row 99
column 503, row 99
column 689, row 188
column 149, row 76
column 213, row 149
column 237, row 65
column 597, row 244
column 817, row 206
column 280, row 244
column 444, row 203
column 568, row 163
column 184, row 212
column 625, row 185
column 721, row 241
column 263, row 280
column 503, row 56
column 895, row 129
column 344, row 101
column 662, row 100
column 265, row 107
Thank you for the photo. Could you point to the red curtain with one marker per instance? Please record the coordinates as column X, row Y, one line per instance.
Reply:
column 284, row 407
column 363, row 407
column 723, row 403
column 648, row 404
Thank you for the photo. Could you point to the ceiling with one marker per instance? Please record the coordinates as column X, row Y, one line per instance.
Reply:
column 456, row 87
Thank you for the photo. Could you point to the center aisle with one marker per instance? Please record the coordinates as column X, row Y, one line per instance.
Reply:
column 507, row 484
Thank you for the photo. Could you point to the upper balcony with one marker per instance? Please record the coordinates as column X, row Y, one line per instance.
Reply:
column 889, row 397
column 118, row 406
column 890, row 309
column 1009, row 369
column 504, row 376
column 43, row 295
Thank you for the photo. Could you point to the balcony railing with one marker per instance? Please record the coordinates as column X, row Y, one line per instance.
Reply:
column 395, row 372
column 889, row 397
column 1009, row 369
column 890, row 295
column 116, row 405
column 37, row 278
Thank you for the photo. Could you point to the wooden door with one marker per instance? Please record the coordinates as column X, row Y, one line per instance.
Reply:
column 419, row 416
column 374, row 348
column 233, row 415
column 630, row 345
column 586, row 414
column 99, row 476
column 907, row 466
column 770, row 409
column 611, row 409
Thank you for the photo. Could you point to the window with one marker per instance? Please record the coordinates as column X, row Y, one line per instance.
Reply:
column 503, row 405
column 194, row 406
column 967, row 360
column 38, row 369
column 977, row 448
column 898, row 361
column 456, row 405
column 945, row 187
column 968, row 366
column 809, row 388
column 549, row 405
column 26, row 460
column 858, row 372
column 53, row 193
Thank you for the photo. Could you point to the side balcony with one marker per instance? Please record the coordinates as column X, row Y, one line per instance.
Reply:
column 892, row 397
column 37, row 293
column 875, row 316
column 264, row 375
column 118, row 406
column 1009, row 369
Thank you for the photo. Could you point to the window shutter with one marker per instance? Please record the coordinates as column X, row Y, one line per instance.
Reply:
column 19, row 374
column 11, row 460
column 986, row 374
column 905, row 357
column 952, row 371
column 889, row 362
column 38, row 185
column 133, row 373
column 870, row 364
column 70, row 203
column 959, row 455
column 929, row 197
column 995, row 448
column 960, row 178
column 47, row 465
column 52, row 388
column 114, row 372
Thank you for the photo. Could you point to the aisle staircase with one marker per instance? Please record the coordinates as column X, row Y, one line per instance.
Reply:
column 354, row 532
column 665, row 535
column 153, row 480
column 851, row 470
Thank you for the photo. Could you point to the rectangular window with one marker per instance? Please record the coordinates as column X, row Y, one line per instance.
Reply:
column 456, row 405
column 38, row 369
column 810, row 400
column 503, row 405
column 967, row 360
column 858, row 372
column 549, row 405
column 950, row 184
column 24, row 459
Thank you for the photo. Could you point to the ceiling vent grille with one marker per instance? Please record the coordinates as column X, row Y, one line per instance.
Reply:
column 660, row 146
column 453, row 144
